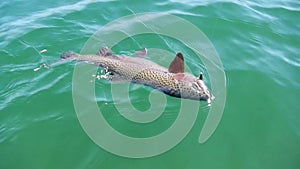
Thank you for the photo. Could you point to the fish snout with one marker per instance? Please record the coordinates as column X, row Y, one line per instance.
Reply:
column 204, row 92
column 210, row 97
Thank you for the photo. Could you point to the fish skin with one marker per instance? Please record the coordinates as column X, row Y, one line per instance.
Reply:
column 141, row 71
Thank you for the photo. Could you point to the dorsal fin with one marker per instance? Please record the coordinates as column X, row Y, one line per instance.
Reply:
column 177, row 65
column 141, row 53
column 104, row 52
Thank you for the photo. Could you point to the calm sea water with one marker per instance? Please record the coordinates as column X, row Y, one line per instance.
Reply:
column 257, row 41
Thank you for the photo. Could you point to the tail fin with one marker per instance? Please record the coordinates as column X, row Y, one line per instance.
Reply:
column 69, row 55
column 65, row 57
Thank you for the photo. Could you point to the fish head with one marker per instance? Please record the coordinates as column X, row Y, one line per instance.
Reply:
column 192, row 87
column 203, row 91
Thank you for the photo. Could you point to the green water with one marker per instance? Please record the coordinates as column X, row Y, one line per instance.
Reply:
column 257, row 41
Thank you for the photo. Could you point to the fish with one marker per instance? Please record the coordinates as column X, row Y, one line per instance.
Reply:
column 173, row 81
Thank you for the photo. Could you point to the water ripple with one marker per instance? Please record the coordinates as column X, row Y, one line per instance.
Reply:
column 19, row 27
column 23, row 88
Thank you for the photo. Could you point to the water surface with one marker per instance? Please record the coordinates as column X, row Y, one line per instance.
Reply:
column 257, row 41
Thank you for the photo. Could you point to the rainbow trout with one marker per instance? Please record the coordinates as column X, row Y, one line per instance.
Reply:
column 172, row 81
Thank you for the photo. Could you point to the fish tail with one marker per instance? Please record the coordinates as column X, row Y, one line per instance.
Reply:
column 65, row 57
column 69, row 55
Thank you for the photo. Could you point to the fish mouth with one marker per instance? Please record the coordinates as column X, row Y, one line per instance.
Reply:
column 210, row 98
column 207, row 96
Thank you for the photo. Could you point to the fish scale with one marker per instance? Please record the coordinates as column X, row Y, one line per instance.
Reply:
column 172, row 81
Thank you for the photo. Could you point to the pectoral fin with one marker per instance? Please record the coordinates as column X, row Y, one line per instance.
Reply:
column 177, row 65
column 141, row 53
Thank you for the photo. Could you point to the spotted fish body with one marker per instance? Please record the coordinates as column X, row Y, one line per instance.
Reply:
column 172, row 81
